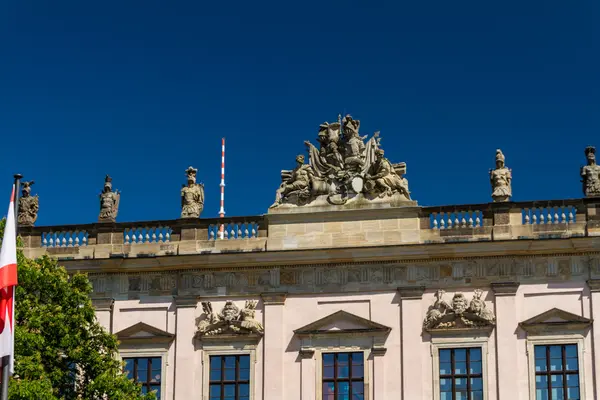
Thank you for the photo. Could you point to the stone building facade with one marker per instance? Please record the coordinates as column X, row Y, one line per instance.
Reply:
column 347, row 289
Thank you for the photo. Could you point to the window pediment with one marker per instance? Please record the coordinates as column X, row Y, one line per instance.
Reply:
column 142, row 332
column 555, row 320
column 342, row 323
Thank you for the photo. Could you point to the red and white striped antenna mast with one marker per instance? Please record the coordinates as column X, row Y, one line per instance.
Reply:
column 222, row 210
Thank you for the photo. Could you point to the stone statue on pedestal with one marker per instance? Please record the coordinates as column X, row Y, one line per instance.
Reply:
column 591, row 174
column 192, row 196
column 28, row 206
column 344, row 168
column 109, row 202
column 501, row 178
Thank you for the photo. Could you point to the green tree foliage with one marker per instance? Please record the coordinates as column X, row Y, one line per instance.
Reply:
column 61, row 351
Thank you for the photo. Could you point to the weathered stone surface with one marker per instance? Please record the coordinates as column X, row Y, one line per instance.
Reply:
column 28, row 206
column 192, row 196
column 109, row 202
column 231, row 320
column 343, row 170
column 459, row 314
column 501, row 179
column 591, row 174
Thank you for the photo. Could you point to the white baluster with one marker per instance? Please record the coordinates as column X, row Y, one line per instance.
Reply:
column 140, row 236
column 542, row 218
column 526, row 216
column 435, row 223
column 76, row 241
column 563, row 216
column 442, row 221
column 147, row 235
column 571, row 216
column 555, row 215
column 160, row 237
column 63, row 241
column 84, row 239
column 463, row 221
column 70, row 241
column 477, row 218
column 44, row 240
column 231, row 231
column 246, row 232
column 154, row 235
column 239, row 226
column 254, row 229
column 456, row 220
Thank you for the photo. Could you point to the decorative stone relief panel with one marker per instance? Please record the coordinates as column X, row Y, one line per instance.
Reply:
column 367, row 276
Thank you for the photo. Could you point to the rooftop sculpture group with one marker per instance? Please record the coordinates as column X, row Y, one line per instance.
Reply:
column 344, row 168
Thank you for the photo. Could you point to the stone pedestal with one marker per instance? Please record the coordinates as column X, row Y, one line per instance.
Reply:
column 343, row 226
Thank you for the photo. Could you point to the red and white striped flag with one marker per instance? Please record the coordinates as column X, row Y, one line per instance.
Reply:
column 8, row 281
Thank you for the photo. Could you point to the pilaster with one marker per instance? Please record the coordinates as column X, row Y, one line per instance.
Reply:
column 185, row 327
column 104, row 311
column 411, row 369
column 594, row 285
column 274, row 345
column 308, row 373
column 506, row 339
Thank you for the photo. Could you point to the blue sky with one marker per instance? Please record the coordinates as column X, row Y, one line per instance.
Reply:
column 143, row 89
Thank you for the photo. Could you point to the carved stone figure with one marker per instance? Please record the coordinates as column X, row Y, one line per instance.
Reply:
column 28, row 206
column 383, row 179
column 231, row 320
column 192, row 196
column 591, row 174
column 109, row 202
column 501, row 178
column 343, row 168
column 459, row 314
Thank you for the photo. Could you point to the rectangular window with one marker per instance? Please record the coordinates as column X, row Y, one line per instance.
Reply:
column 343, row 376
column 556, row 372
column 229, row 377
column 145, row 371
column 461, row 375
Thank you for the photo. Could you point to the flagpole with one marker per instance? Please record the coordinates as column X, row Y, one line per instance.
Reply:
column 5, row 360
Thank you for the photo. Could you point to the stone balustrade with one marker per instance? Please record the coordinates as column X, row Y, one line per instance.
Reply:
column 325, row 229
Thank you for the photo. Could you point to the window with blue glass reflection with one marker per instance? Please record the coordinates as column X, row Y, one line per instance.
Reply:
column 556, row 372
column 343, row 376
column 229, row 377
column 461, row 375
column 145, row 371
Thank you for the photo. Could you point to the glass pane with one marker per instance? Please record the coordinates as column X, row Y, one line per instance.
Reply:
column 445, row 385
column 445, row 355
column 215, row 362
column 445, row 368
column 230, row 362
column 573, row 394
column 358, row 388
column 215, row 375
column 556, row 381
column 328, row 389
column 541, row 394
column 343, row 388
column 460, row 355
column 358, row 396
column 142, row 375
column 571, row 350
column 460, row 384
column 477, row 395
column 357, row 358
column 445, row 395
column 541, row 382
column 342, row 358
column 573, row 380
column 557, row 394
column 475, row 354
column 245, row 362
column 229, row 390
column 476, row 384
column 156, row 389
column 328, row 372
column 540, row 351
column 230, row 374
column 343, row 370
column 555, row 351
column 475, row 367
column 244, row 390
column 128, row 369
column 244, row 375
column 328, row 359
column 357, row 371
column 556, row 364
column 572, row 364
column 540, row 365
column 461, row 395
column 460, row 367
column 215, row 391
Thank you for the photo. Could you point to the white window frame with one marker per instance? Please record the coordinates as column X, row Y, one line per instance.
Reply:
column 549, row 340
column 351, row 349
column 232, row 349
column 438, row 343
column 141, row 353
